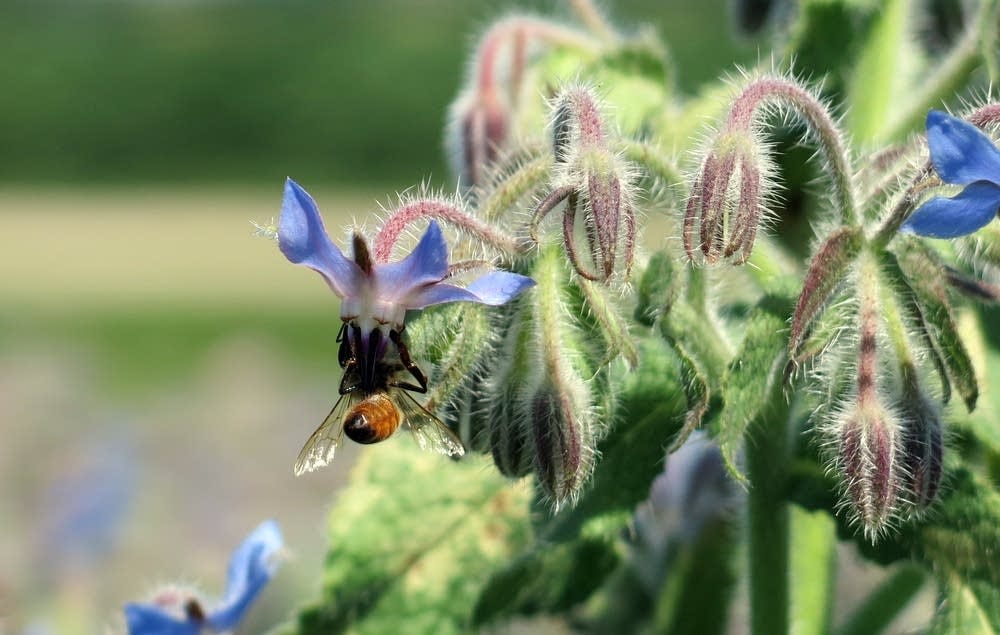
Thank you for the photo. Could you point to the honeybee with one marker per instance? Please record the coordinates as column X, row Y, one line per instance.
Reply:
column 375, row 401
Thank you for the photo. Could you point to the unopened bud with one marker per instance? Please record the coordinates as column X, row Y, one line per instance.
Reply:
column 868, row 453
column 595, row 184
column 478, row 127
column 563, row 437
column 922, row 448
column 726, row 203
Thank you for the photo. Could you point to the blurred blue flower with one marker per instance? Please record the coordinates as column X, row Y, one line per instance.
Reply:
column 962, row 155
column 376, row 295
column 251, row 567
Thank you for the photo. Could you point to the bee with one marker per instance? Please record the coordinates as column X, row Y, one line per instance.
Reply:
column 375, row 401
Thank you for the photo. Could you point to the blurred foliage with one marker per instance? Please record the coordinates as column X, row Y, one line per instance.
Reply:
column 341, row 91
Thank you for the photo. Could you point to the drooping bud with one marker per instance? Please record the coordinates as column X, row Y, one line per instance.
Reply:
column 869, row 441
column 563, row 437
column 869, row 455
column 728, row 200
column 481, row 119
column 922, row 445
column 726, row 203
column 596, row 186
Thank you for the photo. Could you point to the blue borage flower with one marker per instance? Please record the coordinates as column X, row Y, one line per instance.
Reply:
column 375, row 296
column 962, row 155
column 251, row 567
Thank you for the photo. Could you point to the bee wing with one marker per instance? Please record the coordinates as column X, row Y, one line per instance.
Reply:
column 319, row 449
column 431, row 433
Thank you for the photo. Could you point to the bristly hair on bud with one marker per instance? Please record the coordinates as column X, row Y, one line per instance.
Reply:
column 866, row 433
column 596, row 185
column 730, row 195
column 923, row 447
column 482, row 117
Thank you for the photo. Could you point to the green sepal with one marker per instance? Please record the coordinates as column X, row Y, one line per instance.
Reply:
column 749, row 384
column 412, row 539
column 657, row 290
column 911, row 305
column 827, row 271
column 924, row 278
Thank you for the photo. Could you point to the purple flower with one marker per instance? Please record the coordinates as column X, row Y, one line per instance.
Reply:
column 962, row 155
column 377, row 295
column 177, row 613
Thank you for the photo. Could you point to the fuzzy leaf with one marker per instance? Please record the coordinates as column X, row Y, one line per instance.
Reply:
column 971, row 608
column 925, row 280
column 827, row 270
column 748, row 387
column 412, row 540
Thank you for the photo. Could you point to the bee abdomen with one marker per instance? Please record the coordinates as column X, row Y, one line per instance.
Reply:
column 372, row 420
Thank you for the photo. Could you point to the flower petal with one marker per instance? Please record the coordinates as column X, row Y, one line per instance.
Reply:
column 972, row 209
column 499, row 287
column 143, row 619
column 425, row 265
column 304, row 241
column 250, row 568
column 961, row 152
column 493, row 289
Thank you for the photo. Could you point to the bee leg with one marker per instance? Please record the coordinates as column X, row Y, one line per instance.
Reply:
column 404, row 358
column 346, row 352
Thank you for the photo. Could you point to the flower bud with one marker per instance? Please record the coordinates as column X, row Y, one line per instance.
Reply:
column 869, row 457
column 563, row 436
column 726, row 203
column 594, row 182
column 479, row 124
column 922, row 448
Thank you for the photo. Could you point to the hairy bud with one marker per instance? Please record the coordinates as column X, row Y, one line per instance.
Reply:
column 596, row 186
column 563, row 437
column 726, row 203
column 869, row 455
column 922, row 448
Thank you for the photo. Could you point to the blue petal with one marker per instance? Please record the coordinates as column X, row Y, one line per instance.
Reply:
column 143, row 619
column 960, row 151
column 425, row 265
column 304, row 241
column 494, row 289
column 972, row 209
column 500, row 287
column 250, row 569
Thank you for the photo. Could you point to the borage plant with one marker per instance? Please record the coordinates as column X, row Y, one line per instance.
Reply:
column 690, row 268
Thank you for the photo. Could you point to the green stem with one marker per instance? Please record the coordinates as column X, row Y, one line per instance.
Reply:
column 949, row 76
column 884, row 604
column 767, row 455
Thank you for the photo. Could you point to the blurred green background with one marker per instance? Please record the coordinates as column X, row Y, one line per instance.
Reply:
column 159, row 365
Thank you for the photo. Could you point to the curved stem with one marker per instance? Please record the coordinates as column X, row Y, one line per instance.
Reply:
column 819, row 122
column 408, row 213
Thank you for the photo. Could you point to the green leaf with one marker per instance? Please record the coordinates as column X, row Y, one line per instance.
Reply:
column 879, row 72
column 970, row 608
column 548, row 579
column 749, row 384
column 658, row 289
column 412, row 541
